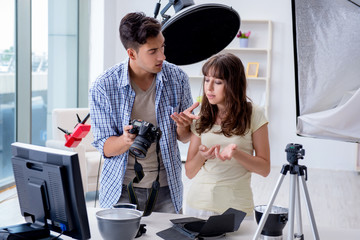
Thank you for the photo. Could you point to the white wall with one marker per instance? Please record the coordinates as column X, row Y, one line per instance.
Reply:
column 320, row 153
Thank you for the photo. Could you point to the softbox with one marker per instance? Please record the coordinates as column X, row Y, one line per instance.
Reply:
column 327, row 68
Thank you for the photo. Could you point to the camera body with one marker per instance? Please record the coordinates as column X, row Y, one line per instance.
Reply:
column 146, row 133
column 294, row 152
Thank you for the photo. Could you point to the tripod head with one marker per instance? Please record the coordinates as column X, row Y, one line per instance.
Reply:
column 294, row 152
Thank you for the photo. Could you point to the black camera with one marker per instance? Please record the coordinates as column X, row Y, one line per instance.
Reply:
column 294, row 152
column 146, row 133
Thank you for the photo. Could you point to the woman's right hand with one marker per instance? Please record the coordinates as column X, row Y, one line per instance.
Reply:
column 208, row 153
column 198, row 154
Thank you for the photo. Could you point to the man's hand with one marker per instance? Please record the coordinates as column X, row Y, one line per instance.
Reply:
column 116, row 145
column 185, row 118
column 128, row 138
column 227, row 153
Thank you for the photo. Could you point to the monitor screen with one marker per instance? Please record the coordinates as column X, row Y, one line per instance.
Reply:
column 50, row 190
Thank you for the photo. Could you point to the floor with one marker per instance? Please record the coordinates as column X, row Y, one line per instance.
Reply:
column 334, row 196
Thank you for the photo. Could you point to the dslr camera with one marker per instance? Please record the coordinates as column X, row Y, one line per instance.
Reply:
column 146, row 133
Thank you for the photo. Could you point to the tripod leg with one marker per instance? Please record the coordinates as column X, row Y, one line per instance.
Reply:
column 299, row 234
column 293, row 180
column 310, row 211
column 268, row 208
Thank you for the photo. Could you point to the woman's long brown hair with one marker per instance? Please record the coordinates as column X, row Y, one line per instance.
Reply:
column 236, row 121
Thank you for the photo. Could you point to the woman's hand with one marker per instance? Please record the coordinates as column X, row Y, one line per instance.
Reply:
column 227, row 153
column 208, row 153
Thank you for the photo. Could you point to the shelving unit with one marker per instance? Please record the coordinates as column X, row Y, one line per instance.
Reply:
column 259, row 50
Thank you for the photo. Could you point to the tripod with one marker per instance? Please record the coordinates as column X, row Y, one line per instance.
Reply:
column 294, row 152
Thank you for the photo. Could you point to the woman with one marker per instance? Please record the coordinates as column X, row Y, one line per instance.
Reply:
column 229, row 142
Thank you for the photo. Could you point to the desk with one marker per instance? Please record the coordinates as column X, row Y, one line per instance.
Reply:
column 157, row 222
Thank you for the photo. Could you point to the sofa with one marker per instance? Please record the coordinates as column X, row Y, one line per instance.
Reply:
column 89, row 157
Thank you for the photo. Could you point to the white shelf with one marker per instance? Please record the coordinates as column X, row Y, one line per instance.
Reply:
column 196, row 77
column 265, row 50
column 249, row 78
column 257, row 79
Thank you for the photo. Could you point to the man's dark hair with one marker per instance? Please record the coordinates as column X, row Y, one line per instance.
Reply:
column 135, row 28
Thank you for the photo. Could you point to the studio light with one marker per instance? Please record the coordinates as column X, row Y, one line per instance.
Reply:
column 177, row 4
column 196, row 32
column 356, row 2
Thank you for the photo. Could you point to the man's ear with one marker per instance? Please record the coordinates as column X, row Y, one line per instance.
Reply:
column 131, row 53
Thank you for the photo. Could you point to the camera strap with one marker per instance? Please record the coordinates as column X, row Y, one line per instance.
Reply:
column 150, row 203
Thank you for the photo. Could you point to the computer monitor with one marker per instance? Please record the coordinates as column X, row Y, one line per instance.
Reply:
column 50, row 192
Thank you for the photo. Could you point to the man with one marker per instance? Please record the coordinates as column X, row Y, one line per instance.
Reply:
column 147, row 88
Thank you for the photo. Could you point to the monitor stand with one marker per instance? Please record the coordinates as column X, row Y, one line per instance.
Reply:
column 23, row 231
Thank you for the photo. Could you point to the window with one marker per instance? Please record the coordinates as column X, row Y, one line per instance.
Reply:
column 7, row 88
column 39, row 57
column 48, row 34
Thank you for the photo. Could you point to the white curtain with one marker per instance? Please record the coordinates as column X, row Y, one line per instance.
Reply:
column 341, row 122
column 328, row 69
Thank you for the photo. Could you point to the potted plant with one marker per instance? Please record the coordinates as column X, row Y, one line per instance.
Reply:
column 244, row 38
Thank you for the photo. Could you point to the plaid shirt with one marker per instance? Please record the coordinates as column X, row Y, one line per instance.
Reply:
column 111, row 99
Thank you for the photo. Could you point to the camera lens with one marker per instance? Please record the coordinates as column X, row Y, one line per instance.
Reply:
column 137, row 152
column 146, row 135
column 140, row 146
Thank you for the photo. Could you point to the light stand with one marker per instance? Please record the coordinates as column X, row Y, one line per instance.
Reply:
column 294, row 152
column 177, row 4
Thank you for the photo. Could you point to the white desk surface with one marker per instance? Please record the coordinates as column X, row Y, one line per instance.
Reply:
column 157, row 222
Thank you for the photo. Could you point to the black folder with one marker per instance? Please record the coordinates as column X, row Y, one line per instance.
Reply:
column 192, row 228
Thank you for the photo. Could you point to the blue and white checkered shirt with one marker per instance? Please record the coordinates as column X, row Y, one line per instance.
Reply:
column 111, row 99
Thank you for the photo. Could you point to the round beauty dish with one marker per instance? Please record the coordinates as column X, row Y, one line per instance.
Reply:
column 118, row 223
